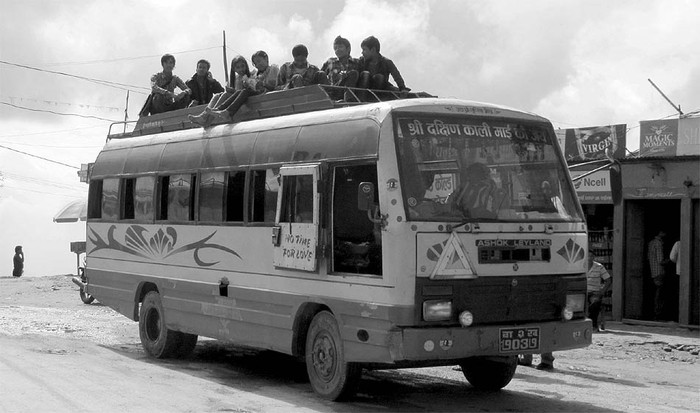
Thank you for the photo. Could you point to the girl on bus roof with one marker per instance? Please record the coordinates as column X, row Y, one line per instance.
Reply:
column 224, row 105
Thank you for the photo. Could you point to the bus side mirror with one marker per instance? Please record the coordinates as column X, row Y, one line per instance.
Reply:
column 365, row 196
column 616, row 183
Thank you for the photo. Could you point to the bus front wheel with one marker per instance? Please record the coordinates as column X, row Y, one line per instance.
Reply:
column 329, row 374
column 489, row 373
column 158, row 341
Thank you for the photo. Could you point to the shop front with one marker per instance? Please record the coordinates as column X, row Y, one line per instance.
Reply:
column 660, row 199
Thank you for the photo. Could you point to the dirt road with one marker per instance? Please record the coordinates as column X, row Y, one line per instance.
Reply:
column 59, row 355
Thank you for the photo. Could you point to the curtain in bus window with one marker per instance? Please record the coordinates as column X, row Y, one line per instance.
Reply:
column 265, row 186
column 179, row 189
column 235, row 196
column 211, row 196
column 143, row 198
column 128, row 198
column 110, row 199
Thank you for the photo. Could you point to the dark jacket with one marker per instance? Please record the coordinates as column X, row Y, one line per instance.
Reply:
column 203, row 96
column 384, row 67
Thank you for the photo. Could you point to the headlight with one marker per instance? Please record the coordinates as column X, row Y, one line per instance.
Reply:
column 437, row 310
column 575, row 302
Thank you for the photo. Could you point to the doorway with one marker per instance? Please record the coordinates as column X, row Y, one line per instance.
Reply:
column 643, row 221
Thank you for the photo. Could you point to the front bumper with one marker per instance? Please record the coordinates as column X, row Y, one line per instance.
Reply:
column 416, row 344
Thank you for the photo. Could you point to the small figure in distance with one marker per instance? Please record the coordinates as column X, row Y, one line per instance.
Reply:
column 265, row 74
column 163, row 97
column 595, row 275
column 342, row 70
column 18, row 262
column 224, row 105
column 203, row 85
column 375, row 69
column 300, row 72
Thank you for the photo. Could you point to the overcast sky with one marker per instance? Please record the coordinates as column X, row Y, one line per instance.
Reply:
column 578, row 63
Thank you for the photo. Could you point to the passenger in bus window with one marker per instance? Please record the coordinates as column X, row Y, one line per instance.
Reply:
column 163, row 97
column 300, row 72
column 203, row 85
column 224, row 105
column 552, row 200
column 476, row 197
column 342, row 70
column 265, row 74
column 375, row 68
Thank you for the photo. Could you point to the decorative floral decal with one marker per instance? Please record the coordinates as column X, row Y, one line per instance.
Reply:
column 161, row 245
column 571, row 251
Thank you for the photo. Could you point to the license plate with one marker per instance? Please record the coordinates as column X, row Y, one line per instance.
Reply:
column 519, row 339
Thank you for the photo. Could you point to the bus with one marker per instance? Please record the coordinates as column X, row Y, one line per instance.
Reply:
column 405, row 232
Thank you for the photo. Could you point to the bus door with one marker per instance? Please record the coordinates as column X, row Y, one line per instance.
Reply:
column 296, row 233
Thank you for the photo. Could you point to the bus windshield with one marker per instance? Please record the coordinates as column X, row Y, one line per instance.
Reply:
column 463, row 168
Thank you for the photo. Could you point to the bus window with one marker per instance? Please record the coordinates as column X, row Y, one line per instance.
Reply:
column 211, row 196
column 263, row 195
column 143, row 198
column 298, row 198
column 177, row 197
column 94, row 199
column 127, row 198
column 163, row 183
column 235, row 196
column 110, row 199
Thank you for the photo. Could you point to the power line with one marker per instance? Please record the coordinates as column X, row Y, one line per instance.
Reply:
column 119, row 59
column 57, row 113
column 39, row 157
column 42, row 192
column 49, row 132
column 115, row 85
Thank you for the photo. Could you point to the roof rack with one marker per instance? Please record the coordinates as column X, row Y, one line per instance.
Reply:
column 277, row 103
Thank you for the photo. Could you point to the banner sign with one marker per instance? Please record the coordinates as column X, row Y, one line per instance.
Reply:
column 585, row 144
column 688, row 137
column 658, row 137
column 593, row 188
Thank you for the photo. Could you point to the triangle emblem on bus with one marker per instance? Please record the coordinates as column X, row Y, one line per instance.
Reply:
column 453, row 262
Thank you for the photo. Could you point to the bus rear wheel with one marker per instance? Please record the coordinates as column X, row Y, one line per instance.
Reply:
column 489, row 373
column 329, row 374
column 158, row 340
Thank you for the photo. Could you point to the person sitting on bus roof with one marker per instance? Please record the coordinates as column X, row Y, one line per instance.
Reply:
column 265, row 74
column 203, row 85
column 342, row 70
column 163, row 84
column 224, row 105
column 300, row 72
column 375, row 68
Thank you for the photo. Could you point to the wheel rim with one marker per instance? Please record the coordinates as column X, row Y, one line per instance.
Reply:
column 152, row 325
column 324, row 356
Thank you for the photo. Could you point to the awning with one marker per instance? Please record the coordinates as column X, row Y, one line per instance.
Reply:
column 72, row 212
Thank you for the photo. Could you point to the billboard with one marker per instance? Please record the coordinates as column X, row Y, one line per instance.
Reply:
column 585, row 144
column 658, row 137
column 688, row 136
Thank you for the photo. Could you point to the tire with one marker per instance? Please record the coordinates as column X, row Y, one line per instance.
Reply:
column 157, row 340
column 330, row 375
column 187, row 343
column 85, row 297
column 489, row 373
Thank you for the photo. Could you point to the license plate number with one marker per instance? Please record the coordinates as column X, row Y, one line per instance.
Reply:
column 519, row 339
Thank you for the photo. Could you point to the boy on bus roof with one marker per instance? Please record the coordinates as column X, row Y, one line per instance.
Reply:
column 300, row 72
column 375, row 68
column 342, row 70
column 163, row 84
column 265, row 74
column 203, row 85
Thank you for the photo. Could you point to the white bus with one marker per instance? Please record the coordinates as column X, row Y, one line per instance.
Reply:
column 403, row 233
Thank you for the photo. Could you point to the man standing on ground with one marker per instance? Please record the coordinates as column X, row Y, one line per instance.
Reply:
column 596, row 274
column 655, row 255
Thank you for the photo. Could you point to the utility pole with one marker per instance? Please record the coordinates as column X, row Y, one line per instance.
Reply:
column 680, row 112
column 225, row 60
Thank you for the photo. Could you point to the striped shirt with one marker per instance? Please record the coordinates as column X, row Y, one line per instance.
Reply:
column 596, row 275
